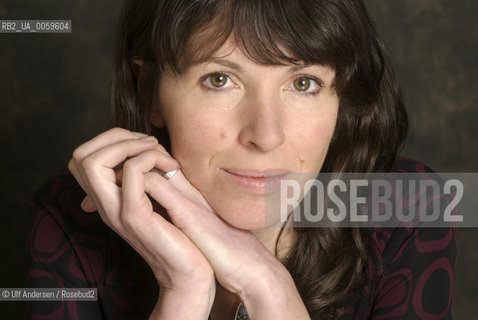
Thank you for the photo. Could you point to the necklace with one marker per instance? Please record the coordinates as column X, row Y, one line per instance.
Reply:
column 241, row 313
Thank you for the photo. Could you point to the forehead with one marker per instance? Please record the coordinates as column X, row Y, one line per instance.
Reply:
column 199, row 50
column 233, row 56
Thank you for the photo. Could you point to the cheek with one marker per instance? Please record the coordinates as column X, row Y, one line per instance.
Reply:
column 195, row 139
column 188, row 138
column 197, row 124
column 312, row 138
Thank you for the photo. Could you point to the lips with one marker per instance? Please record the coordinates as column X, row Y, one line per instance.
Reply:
column 258, row 182
column 257, row 174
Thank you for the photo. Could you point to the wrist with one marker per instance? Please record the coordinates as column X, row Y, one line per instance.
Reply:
column 274, row 296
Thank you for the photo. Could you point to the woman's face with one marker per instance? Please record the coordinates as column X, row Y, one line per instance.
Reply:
column 238, row 127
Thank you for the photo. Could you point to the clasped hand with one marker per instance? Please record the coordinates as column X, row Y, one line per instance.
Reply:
column 121, row 173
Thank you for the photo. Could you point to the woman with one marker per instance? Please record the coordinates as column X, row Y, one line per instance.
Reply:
column 219, row 100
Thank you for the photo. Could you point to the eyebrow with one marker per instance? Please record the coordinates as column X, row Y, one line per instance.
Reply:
column 299, row 67
column 226, row 63
column 235, row 66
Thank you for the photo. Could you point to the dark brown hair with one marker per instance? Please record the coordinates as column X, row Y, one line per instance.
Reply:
column 371, row 126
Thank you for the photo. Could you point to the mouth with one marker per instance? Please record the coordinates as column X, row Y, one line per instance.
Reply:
column 257, row 181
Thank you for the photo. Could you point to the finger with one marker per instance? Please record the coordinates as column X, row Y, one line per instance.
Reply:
column 116, row 134
column 119, row 168
column 202, row 226
column 88, row 205
column 102, row 140
column 180, row 208
column 97, row 176
column 114, row 154
column 187, row 189
column 73, row 168
column 134, row 169
column 163, row 150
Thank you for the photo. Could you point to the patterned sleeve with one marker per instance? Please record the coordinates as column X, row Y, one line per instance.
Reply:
column 418, row 267
column 57, row 258
column 418, row 277
column 68, row 248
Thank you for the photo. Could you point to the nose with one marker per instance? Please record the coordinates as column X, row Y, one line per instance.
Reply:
column 262, row 122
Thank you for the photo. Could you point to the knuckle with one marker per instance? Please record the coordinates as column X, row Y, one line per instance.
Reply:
column 77, row 154
column 128, row 221
column 117, row 130
column 71, row 165
column 130, row 165
column 88, row 163
column 110, row 219
column 151, row 181
column 115, row 226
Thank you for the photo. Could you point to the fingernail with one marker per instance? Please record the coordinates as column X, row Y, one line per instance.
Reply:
column 148, row 139
column 161, row 149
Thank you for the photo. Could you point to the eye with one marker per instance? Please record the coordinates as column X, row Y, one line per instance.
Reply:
column 217, row 80
column 306, row 85
column 302, row 84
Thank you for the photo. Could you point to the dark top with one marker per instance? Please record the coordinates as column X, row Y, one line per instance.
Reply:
column 70, row 248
